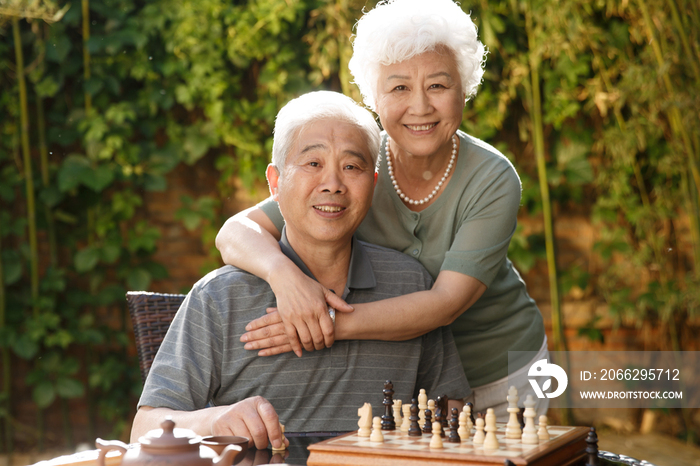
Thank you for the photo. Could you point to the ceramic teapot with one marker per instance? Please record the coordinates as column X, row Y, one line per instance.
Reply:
column 168, row 446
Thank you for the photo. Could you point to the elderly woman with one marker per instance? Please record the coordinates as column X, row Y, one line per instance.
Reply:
column 442, row 196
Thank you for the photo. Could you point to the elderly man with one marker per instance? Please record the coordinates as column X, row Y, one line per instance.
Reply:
column 322, row 174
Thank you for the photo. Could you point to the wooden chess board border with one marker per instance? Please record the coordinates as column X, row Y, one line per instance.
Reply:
column 567, row 449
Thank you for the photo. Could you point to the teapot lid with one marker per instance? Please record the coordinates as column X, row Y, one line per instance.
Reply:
column 170, row 437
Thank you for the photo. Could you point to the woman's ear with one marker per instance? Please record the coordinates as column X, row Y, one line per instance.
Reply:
column 273, row 176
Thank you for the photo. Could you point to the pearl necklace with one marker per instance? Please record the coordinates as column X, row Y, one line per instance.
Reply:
column 437, row 188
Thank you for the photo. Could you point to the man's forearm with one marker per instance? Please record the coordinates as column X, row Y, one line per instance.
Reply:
column 148, row 418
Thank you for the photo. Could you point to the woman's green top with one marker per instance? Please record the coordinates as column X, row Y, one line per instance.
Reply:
column 466, row 230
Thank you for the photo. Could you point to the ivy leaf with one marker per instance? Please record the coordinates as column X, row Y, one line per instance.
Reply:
column 44, row 394
column 86, row 259
column 57, row 48
column 47, row 87
column 74, row 169
column 11, row 266
column 99, row 178
column 25, row 347
column 110, row 253
column 138, row 279
column 69, row 388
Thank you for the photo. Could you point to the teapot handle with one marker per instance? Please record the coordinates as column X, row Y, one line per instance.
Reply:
column 107, row 445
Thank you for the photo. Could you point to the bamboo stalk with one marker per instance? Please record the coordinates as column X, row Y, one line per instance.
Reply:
column 558, row 337
column 684, row 40
column 674, row 114
column 5, row 354
column 86, row 54
column 28, row 175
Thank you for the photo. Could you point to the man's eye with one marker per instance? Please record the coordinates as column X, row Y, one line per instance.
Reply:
column 400, row 88
column 350, row 167
column 313, row 164
column 436, row 86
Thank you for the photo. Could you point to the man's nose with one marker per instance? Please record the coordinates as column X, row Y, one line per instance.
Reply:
column 332, row 180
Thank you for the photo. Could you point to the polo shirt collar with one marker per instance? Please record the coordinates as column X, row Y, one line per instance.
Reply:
column 360, row 274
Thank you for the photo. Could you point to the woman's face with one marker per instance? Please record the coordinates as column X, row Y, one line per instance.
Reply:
column 420, row 102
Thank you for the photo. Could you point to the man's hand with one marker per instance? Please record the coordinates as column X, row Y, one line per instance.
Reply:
column 254, row 418
column 302, row 304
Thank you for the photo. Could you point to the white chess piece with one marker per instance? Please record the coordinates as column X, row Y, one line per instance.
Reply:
column 513, row 427
column 365, row 422
column 436, row 440
column 432, row 408
column 397, row 413
column 377, row 435
column 463, row 431
column 479, row 434
column 468, row 409
column 406, row 424
column 490, row 441
column 543, row 433
column 422, row 406
column 283, row 447
column 529, row 436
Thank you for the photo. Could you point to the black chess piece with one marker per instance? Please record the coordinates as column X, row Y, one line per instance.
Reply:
column 442, row 406
column 508, row 463
column 592, row 448
column 414, row 428
column 388, row 422
column 521, row 418
column 428, row 426
column 454, row 426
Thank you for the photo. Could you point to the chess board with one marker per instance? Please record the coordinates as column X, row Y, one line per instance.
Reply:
column 566, row 446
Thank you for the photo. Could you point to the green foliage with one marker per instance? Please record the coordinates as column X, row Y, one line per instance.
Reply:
column 170, row 86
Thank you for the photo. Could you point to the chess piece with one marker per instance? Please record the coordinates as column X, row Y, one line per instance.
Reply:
column 513, row 427
column 442, row 412
column 592, row 448
column 463, row 431
column 365, row 422
column 414, row 427
column 454, row 427
column 377, row 435
column 428, row 426
column 397, row 413
column 422, row 405
column 436, row 440
column 406, row 415
column 529, row 436
column 471, row 411
column 542, row 432
column 470, row 419
column 388, row 422
column 479, row 435
column 490, row 441
column 508, row 463
column 283, row 447
column 432, row 407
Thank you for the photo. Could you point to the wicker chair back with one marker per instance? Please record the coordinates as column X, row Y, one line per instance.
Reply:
column 151, row 315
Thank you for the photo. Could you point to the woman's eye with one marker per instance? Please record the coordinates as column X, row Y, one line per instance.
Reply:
column 436, row 86
column 314, row 164
column 400, row 88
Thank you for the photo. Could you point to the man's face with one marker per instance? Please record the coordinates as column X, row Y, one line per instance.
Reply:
column 326, row 187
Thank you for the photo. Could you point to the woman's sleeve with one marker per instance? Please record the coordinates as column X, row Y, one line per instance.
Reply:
column 272, row 209
column 488, row 218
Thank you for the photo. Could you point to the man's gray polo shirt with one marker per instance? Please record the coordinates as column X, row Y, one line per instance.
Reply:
column 202, row 360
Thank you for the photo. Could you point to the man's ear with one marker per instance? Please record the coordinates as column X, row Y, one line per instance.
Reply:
column 273, row 176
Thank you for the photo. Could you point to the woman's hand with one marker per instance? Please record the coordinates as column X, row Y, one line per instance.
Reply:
column 267, row 334
column 302, row 305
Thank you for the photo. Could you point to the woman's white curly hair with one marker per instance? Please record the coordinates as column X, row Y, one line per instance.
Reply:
column 397, row 30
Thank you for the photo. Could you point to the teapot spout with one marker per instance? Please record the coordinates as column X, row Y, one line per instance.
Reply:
column 227, row 456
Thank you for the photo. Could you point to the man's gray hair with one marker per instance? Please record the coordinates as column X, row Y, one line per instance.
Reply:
column 320, row 105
